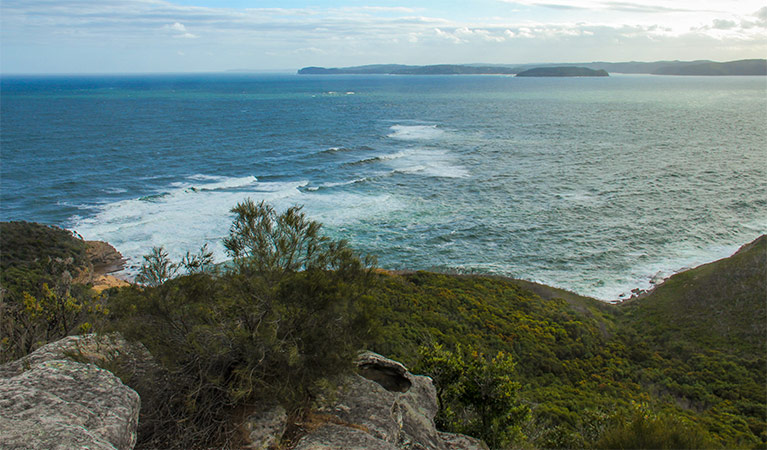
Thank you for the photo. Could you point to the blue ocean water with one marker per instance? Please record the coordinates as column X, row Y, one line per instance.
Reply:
column 597, row 185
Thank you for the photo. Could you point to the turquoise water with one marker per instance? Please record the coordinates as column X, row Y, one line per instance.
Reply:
column 597, row 185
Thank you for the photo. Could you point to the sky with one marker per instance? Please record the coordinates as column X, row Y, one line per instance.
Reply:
column 147, row 36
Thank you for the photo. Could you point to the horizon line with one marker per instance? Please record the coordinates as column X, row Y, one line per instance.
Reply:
column 283, row 71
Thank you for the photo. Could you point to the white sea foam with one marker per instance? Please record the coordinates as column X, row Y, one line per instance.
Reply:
column 644, row 276
column 427, row 162
column 419, row 161
column 204, row 177
column 416, row 132
column 343, row 183
column 379, row 158
column 182, row 218
column 215, row 182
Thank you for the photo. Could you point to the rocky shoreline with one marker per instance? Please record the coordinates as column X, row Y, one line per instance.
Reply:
column 107, row 263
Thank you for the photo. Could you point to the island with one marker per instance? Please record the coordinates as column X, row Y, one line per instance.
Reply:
column 563, row 71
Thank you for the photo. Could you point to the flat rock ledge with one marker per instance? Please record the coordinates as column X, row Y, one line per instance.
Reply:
column 384, row 407
column 49, row 401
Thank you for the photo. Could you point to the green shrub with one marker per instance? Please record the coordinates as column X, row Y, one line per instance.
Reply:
column 477, row 393
column 288, row 317
column 644, row 429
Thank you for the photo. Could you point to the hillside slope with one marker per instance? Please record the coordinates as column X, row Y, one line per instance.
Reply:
column 691, row 352
column 719, row 306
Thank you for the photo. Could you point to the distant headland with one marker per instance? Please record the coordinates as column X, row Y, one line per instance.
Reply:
column 746, row 67
column 566, row 71
column 396, row 69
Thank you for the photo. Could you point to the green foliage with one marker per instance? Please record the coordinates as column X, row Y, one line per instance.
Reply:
column 271, row 245
column 276, row 327
column 33, row 254
column 645, row 429
column 27, row 244
column 721, row 306
column 39, row 299
column 279, row 323
column 582, row 362
column 200, row 262
column 477, row 393
column 157, row 268
column 48, row 316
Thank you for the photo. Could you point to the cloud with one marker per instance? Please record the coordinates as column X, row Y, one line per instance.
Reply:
column 465, row 35
column 640, row 7
column 721, row 24
column 449, row 36
column 383, row 9
column 180, row 31
column 550, row 29
column 309, row 50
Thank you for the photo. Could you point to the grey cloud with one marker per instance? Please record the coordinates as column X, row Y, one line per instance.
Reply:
column 721, row 24
column 137, row 14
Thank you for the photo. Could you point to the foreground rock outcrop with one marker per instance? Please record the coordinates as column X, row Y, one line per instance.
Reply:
column 56, row 398
column 384, row 407
column 48, row 400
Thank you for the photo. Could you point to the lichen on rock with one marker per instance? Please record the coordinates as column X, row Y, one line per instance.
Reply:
column 49, row 401
column 384, row 407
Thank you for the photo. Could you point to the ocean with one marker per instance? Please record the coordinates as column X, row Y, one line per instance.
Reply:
column 596, row 185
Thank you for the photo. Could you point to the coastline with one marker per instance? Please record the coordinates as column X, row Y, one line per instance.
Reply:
column 119, row 278
column 107, row 264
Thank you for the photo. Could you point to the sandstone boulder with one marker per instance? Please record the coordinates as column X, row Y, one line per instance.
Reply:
column 48, row 400
column 264, row 427
column 334, row 437
column 384, row 407
column 461, row 442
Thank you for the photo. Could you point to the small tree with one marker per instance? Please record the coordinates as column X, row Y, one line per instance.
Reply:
column 272, row 245
column 157, row 268
column 304, row 293
column 200, row 262
column 477, row 393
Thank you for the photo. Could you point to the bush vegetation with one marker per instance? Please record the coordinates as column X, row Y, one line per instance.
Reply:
column 583, row 363
column 477, row 393
column 518, row 364
column 40, row 300
column 278, row 326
